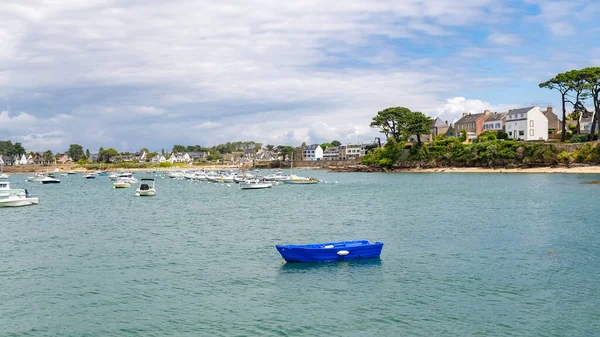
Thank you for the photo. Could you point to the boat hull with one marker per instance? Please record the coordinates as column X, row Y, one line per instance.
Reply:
column 300, row 182
column 51, row 181
column 121, row 185
column 18, row 202
column 335, row 251
column 145, row 193
column 246, row 186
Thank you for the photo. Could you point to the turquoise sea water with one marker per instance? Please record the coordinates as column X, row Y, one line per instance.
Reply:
column 464, row 255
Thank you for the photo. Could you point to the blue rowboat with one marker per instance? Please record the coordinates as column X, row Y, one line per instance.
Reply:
column 331, row 251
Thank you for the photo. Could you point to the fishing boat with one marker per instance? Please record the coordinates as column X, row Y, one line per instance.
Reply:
column 122, row 184
column 255, row 184
column 50, row 180
column 15, row 197
column 146, row 188
column 331, row 251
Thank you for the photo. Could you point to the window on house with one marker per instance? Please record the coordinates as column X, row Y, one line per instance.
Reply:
column 510, row 133
column 531, row 123
column 521, row 133
column 497, row 125
column 521, row 115
column 531, row 131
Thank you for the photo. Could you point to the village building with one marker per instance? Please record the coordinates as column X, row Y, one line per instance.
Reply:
column 331, row 153
column 471, row 123
column 495, row 122
column 554, row 123
column 527, row 124
column 312, row 152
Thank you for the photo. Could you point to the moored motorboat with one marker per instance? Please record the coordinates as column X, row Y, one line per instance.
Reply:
column 36, row 178
column 146, row 189
column 122, row 184
column 255, row 184
column 113, row 177
column 3, row 176
column 50, row 180
column 89, row 176
column 128, row 177
column 331, row 251
column 15, row 197
column 294, row 179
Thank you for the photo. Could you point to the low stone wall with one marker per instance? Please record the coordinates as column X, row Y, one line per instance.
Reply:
column 570, row 147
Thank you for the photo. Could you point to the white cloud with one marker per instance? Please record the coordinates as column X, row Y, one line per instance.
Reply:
column 504, row 39
column 279, row 72
column 456, row 106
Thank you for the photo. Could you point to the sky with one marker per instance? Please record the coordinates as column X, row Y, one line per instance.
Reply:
column 132, row 74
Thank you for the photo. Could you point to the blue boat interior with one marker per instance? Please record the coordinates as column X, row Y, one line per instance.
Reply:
column 332, row 245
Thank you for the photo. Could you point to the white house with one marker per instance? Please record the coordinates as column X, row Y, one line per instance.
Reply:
column 23, row 160
column 159, row 158
column 179, row 158
column 140, row 156
column 312, row 152
column 527, row 124
column 1, row 161
column 331, row 153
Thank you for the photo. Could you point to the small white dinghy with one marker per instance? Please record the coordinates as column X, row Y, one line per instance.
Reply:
column 255, row 184
column 146, row 188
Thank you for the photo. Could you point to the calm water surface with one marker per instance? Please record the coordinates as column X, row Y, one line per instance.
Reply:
column 464, row 255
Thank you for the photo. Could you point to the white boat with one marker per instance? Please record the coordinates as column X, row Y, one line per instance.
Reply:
column 89, row 176
column 121, row 184
column 294, row 179
column 278, row 176
column 113, row 177
column 255, row 184
column 15, row 197
column 50, row 180
column 147, row 188
column 36, row 178
column 64, row 174
column 128, row 177
column 175, row 174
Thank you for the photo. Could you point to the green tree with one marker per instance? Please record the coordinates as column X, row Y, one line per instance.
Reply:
column 285, row 151
column 75, row 151
column 18, row 149
column 87, row 153
column 336, row 143
column 400, row 123
column 325, row 145
column 179, row 148
column 563, row 84
column 270, row 147
column 463, row 135
column 591, row 76
column 162, row 151
column 48, row 156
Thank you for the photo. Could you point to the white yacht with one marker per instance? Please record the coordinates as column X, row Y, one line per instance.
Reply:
column 278, row 176
column 50, row 180
column 37, row 177
column 15, row 197
column 113, row 177
column 255, row 184
column 127, row 177
column 176, row 174
column 147, row 188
